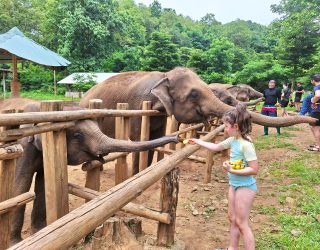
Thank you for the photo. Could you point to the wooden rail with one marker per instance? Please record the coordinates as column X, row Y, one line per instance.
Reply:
column 69, row 229
column 62, row 116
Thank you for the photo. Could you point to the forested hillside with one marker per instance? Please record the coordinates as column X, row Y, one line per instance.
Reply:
column 120, row 35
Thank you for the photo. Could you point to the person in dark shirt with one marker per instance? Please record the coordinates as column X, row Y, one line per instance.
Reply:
column 272, row 97
column 315, row 113
column 298, row 94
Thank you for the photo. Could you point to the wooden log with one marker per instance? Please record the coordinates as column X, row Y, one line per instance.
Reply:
column 208, row 168
column 93, row 176
column 7, row 178
column 117, row 233
column 173, row 127
column 131, row 208
column 114, row 156
column 62, row 116
column 191, row 157
column 145, row 132
column 15, row 134
column 96, row 104
column 55, row 168
column 10, row 151
column 84, row 219
column 7, row 173
column 93, row 172
column 168, row 204
column 87, row 166
column 17, row 201
column 122, row 133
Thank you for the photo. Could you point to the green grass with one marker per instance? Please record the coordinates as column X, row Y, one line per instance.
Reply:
column 274, row 141
column 40, row 95
column 303, row 175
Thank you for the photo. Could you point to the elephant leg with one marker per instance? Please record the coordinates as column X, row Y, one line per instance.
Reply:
column 38, row 216
column 22, row 184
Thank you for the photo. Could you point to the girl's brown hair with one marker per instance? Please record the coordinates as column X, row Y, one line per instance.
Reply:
column 239, row 115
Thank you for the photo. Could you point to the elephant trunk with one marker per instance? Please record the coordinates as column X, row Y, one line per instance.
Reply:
column 281, row 121
column 114, row 145
column 218, row 108
column 254, row 102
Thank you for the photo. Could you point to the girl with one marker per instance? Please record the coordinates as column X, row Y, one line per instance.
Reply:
column 243, row 187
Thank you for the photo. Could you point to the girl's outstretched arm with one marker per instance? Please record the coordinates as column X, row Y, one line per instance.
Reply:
column 209, row 145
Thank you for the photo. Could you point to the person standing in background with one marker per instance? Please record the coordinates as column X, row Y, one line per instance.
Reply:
column 298, row 94
column 315, row 113
column 285, row 97
column 272, row 97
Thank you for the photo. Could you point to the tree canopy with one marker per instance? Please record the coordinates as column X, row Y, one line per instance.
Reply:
column 120, row 35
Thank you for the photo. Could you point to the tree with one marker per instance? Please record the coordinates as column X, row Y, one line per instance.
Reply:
column 161, row 54
column 155, row 8
column 298, row 35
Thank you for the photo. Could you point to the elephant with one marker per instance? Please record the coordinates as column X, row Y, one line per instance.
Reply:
column 241, row 92
column 180, row 92
column 85, row 142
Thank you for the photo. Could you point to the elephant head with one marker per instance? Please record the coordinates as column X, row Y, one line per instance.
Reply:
column 86, row 142
column 244, row 92
column 185, row 95
column 182, row 93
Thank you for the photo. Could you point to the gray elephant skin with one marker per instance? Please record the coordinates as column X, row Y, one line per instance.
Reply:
column 242, row 92
column 179, row 92
column 85, row 142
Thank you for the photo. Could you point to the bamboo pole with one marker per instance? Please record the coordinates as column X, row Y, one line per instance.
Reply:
column 62, row 116
column 55, row 168
column 145, row 132
column 173, row 128
column 122, row 133
column 15, row 134
column 209, row 164
column 14, row 202
column 15, row 84
column 72, row 227
column 131, row 208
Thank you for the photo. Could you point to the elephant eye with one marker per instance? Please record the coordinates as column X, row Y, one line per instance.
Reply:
column 194, row 94
column 77, row 135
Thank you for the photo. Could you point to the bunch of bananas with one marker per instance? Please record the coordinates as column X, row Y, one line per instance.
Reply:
column 237, row 165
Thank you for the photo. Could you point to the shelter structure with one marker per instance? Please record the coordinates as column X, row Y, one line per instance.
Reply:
column 78, row 78
column 16, row 47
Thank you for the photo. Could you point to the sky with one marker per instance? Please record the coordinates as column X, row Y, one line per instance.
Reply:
column 224, row 10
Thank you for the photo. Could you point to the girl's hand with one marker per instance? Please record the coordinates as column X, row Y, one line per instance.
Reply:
column 226, row 166
column 192, row 141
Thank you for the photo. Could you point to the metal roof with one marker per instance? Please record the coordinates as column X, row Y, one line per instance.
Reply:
column 15, row 42
column 86, row 77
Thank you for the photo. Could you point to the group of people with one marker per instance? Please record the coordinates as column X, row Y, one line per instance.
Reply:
column 274, row 98
column 242, row 184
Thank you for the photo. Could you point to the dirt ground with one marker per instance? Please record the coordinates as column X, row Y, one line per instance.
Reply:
column 201, row 221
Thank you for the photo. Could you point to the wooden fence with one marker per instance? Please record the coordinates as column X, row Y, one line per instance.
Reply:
column 65, row 229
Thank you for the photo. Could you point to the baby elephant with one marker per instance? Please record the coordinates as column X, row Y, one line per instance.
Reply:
column 85, row 142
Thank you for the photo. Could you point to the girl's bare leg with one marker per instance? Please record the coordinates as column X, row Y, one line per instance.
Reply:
column 234, row 230
column 243, row 202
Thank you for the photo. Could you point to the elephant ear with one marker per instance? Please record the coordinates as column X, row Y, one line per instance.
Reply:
column 161, row 91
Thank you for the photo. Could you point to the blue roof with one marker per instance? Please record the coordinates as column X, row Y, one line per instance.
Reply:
column 15, row 42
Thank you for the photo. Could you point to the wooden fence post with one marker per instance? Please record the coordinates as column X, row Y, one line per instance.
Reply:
column 7, row 178
column 168, row 204
column 122, row 132
column 173, row 128
column 209, row 164
column 93, row 174
column 54, row 149
column 145, row 132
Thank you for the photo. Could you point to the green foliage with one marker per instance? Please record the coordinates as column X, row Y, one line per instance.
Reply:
column 161, row 54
